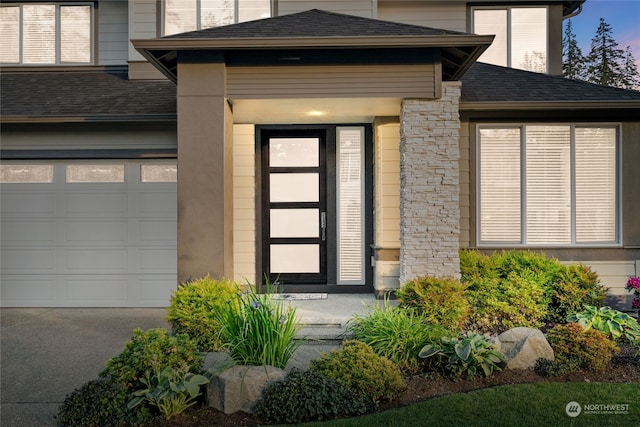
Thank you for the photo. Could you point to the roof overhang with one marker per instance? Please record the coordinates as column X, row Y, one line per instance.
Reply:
column 457, row 51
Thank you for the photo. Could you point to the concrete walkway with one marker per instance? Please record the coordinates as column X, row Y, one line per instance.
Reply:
column 47, row 353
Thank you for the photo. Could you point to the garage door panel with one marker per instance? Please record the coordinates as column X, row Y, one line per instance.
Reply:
column 99, row 204
column 96, row 260
column 24, row 290
column 24, row 233
column 157, row 260
column 91, row 289
column 28, row 205
column 95, row 244
column 156, row 291
column 16, row 260
column 96, row 232
column 157, row 231
column 152, row 203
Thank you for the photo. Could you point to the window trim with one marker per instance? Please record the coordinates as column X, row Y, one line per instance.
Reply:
column 508, row 9
column 58, row 63
column 617, row 126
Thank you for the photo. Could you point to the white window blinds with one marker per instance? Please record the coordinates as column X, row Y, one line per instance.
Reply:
column 548, row 185
column 500, row 185
column 350, row 197
column 595, row 185
column 189, row 15
column 39, row 34
column 548, row 172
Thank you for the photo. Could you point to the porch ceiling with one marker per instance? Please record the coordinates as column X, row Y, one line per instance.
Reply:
column 310, row 111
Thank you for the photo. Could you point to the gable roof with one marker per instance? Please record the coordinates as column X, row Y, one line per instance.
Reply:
column 317, row 29
column 492, row 87
column 80, row 96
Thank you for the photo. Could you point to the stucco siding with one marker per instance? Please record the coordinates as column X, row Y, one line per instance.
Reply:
column 365, row 8
column 444, row 14
column 331, row 81
column 244, row 209
column 113, row 35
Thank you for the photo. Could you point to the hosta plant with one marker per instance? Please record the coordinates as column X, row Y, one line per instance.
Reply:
column 470, row 354
column 170, row 391
column 613, row 323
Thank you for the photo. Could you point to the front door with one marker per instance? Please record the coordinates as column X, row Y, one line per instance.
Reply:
column 294, row 206
column 316, row 207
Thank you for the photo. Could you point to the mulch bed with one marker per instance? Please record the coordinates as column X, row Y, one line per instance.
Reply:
column 624, row 368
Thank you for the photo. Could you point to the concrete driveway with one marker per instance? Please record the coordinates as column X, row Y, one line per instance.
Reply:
column 47, row 353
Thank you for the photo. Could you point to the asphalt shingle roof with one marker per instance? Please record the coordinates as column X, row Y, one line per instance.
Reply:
column 83, row 94
column 103, row 95
column 491, row 83
column 314, row 23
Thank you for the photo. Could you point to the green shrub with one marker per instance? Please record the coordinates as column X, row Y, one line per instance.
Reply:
column 152, row 350
column 440, row 301
column 469, row 354
column 574, row 287
column 257, row 330
column 305, row 396
column 585, row 348
column 195, row 310
column 613, row 323
column 101, row 402
column 358, row 367
column 552, row 368
column 396, row 333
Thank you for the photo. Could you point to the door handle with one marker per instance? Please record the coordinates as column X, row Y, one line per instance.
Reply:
column 323, row 225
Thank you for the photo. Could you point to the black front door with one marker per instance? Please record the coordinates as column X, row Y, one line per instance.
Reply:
column 294, row 206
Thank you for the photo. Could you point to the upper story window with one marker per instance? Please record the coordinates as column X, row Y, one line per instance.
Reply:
column 551, row 185
column 189, row 15
column 46, row 33
column 521, row 36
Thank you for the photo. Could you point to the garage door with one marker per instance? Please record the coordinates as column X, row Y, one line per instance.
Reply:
column 88, row 233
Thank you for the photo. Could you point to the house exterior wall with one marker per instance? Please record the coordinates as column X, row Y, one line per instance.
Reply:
column 205, row 173
column 364, row 8
column 360, row 81
column 447, row 15
column 113, row 33
column 429, row 185
column 387, row 203
column 244, row 203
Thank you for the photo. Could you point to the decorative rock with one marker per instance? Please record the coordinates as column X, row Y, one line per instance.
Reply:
column 523, row 346
column 239, row 388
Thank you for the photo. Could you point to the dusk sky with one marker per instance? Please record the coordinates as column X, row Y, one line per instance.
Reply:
column 622, row 15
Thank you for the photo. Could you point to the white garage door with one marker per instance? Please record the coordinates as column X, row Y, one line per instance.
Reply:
column 88, row 233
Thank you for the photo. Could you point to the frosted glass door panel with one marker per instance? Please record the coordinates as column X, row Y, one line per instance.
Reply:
column 294, row 222
column 295, row 258
column 294, row 152
column 294, row 187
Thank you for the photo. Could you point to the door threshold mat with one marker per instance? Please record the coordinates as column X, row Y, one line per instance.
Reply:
column 300, row 296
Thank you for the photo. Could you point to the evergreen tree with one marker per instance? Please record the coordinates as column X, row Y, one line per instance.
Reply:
column 605, row 60
column 573, row 61
column 631, row 76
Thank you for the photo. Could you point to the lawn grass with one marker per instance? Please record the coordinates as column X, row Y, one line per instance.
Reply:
column 541, row 404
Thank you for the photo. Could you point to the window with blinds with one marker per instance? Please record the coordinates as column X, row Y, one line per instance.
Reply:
column 350, row 209
column 181, row 16
column 520, row 36
column 548, row 185
column 46, row 34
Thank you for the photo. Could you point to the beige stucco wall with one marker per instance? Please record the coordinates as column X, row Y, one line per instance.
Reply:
column 244, row 204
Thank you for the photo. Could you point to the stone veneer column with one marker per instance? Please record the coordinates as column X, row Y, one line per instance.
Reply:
column 429, row 185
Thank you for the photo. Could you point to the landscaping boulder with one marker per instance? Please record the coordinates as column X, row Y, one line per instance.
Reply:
column 239, row 388
column 523, row 346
